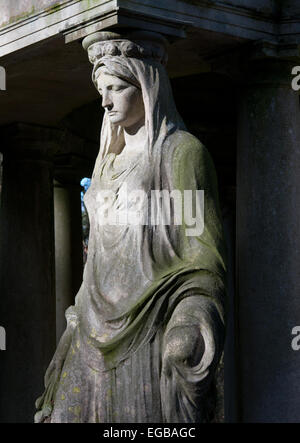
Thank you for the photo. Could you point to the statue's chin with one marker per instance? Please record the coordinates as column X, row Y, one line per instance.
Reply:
column 115, row 118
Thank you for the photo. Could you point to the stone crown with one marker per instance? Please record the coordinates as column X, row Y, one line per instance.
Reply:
column 140, row 44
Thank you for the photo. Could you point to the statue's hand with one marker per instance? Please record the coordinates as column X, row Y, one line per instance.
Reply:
column 184, row 345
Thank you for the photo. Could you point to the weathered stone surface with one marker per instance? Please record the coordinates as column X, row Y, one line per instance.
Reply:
column 14, row 10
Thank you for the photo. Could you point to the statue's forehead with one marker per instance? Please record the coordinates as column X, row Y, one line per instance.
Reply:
column 105, row 78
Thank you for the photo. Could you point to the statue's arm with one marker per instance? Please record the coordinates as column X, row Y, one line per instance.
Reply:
column 193, row 334
column 192, row 347
column 193, row 338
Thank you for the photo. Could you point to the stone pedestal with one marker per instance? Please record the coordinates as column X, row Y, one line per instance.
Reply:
column 27, row 308
column 68, row 248
column 268, row 243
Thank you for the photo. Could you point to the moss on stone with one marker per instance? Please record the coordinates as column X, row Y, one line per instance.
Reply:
column 21, row 16
column 54, row 8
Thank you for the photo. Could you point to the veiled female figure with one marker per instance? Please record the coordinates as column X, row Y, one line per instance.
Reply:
column 146, row 332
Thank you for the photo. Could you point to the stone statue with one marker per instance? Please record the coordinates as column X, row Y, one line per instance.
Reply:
column 146, row 332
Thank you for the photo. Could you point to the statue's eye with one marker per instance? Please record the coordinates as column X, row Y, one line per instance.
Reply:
column 116, row 88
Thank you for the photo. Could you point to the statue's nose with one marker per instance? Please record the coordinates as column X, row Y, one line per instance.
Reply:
column 106, row 102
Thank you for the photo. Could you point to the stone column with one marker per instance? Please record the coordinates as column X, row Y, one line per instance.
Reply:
column 68, row 248
column 268, row 243
column 27, row 307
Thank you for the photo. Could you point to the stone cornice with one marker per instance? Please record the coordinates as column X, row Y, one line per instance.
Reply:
column 171, row 27
column 50, row 23
column 76, row 18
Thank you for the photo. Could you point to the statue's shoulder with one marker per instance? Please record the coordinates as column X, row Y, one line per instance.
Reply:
column 185, row 145
column 189, row 160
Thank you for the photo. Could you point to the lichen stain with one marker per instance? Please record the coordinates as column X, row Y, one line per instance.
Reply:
column 21, row 16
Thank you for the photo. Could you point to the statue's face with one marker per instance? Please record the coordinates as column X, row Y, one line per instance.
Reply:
column 122, row 101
